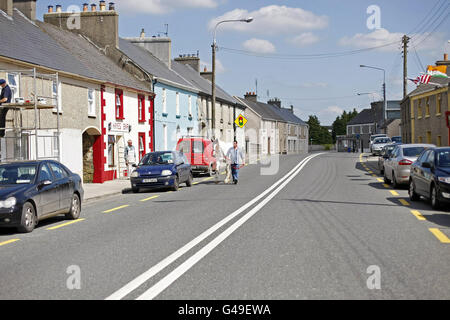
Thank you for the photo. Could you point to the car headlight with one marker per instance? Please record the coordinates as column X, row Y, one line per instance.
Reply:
column 8, row 203
column 135, row 174
column 166, row 173
column 444, row 179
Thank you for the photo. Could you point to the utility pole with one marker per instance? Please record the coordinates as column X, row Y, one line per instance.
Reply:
column 405, row 40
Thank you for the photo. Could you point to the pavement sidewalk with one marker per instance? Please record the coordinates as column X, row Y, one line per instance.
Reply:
column 94, row 191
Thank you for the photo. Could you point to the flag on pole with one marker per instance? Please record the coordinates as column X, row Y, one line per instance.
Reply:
column 424, row 78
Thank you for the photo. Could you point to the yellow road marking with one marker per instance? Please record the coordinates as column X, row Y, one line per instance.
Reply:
column 386, row 185
column 404, row 202
column 374, row 175
column 380, row 180
column 206, row 179
column 370, row 171
column 118, row 208
column 65, row 224
column 8, row 242
column 394, row 193
column 438, row 234
column 143, row 200
column 418, row 215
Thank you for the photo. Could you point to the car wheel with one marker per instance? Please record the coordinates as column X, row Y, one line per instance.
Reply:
column 189, row 181
column 413, row 196
column 75, row 208
column 28, row 221
column 135, row 190
column 176, row 184
column 394, row 181
column 386, row 180
column 435, row 203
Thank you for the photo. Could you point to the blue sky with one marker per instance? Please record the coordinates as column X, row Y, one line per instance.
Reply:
column 323, row 87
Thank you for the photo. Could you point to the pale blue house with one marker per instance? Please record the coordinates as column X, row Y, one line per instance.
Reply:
column 175, row 107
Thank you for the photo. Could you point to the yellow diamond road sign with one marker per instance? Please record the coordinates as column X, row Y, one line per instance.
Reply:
column 240, row 121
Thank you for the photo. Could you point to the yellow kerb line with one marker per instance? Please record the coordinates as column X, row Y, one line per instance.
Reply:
column 65, row 224
column 386, row 186
column 418, row 215
column 438, row 234
column 394, row 193
column 143, row 200
column 380, row 180
column 404, row 202
column 118, row 208
column 8, row 242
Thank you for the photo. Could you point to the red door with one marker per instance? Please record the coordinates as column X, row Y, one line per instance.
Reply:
column 151, row 109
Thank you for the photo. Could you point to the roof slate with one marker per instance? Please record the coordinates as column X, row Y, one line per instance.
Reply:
column 364, row 117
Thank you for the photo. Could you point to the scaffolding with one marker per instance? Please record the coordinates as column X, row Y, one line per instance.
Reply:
column 31, row 141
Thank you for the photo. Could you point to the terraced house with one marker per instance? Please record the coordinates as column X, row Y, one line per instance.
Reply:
column 425, row 109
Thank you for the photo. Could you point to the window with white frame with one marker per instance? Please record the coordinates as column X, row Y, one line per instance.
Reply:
column 91, row 102
column 177, row 103
column 190, row 106
column 14, row 82
column 164, row 100
column 56, row 93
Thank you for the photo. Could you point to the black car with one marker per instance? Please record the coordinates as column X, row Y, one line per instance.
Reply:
column 31, row 191
column 430, row 177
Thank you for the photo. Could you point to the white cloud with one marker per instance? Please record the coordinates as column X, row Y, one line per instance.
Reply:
column 304, row 39
column 259, row 46
column 163, row 6
column 219, row 66
column 381, row 37
column 332, row 110
column 272, row 20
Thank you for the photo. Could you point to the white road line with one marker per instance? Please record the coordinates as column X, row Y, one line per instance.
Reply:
column 164, row 283
column 137, row 282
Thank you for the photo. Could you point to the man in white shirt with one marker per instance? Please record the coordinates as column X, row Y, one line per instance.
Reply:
column 130, row 157
column 237, row 160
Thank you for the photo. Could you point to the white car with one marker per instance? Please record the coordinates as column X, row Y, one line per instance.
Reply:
column 373, row 137
column 379, row 143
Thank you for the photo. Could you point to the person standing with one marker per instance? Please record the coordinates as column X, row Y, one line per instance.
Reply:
column 5, row 97
column 130, row 157
column 218, row 154
column 237, row 159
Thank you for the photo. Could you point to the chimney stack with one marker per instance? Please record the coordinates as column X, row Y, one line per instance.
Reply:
column 27, row 7
column 7, row 6
column 275, row 102
column 292, row 108
column 161, row 48
column 189, row 60
column 100, row 26
column 251, row 96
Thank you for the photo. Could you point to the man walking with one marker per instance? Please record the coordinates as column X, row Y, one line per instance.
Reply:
column 5, row 97
column 237, row 159
column 130, row 157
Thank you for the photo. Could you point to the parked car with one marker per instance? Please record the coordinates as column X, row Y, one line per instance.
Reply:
column 397, row 139
column 385, row 153
column 31, row 191
column 379, row 143
column 430, row 177
column 199, row 152
column 166, row 169
column 397, row 166
column 373, row 137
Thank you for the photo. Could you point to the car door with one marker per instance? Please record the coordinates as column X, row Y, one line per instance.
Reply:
column 419, row 174
column 48, row 193
column 428, row 173
column 65, row 185
column 181, row 167
column 388, row 164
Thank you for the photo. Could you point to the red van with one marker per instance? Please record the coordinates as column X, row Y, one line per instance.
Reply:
column 199, row 152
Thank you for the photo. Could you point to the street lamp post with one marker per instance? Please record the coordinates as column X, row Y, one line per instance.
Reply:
column 213, row 82
column 384, row 89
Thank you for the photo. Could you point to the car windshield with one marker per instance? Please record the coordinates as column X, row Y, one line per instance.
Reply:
column 382, row 140
column 375, row 137
column 157, row 158
column 397, row 139
column 11, row 174
column 443, row 158
column 389, row 149
column 413, row 151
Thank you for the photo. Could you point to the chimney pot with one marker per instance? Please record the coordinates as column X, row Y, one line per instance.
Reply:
column 111, row 6
column 142, row 33
column 204, row 69
column 102, row 5
column 93, row 7
column 85, row 7
column 50, row 9
column 58, row 8
column 445, row 56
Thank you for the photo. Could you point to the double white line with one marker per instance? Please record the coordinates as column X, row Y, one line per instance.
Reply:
column 164, row 283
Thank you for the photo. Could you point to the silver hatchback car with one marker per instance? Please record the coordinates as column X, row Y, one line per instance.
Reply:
column 397, row 167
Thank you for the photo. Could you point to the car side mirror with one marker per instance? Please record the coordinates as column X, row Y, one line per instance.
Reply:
column 426, row 165
column 44, row 183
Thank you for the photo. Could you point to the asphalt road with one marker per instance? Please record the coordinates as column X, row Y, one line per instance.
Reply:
column 316, row 229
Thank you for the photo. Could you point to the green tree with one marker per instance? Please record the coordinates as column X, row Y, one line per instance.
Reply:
column 339, row 127
column 317, row 133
